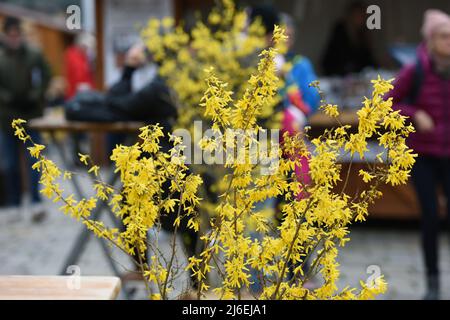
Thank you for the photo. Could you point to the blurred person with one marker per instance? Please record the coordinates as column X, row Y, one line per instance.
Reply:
column 151, row 104
column 298, row 77
column 78, row 64
column 268, row 16
column 150, row 101
column 422, row 92
column 79, row 73
column 300, row 101
column 24, row 77
column 349, row 49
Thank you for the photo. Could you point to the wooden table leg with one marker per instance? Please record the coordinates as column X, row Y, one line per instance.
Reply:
column 98, row 142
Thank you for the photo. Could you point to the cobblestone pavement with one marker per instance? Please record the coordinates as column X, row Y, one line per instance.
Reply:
column 40, row 249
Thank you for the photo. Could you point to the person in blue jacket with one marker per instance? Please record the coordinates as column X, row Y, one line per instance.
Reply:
column 301, row 73
column 300, row 101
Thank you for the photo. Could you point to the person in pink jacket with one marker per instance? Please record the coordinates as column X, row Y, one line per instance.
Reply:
column 422, row 92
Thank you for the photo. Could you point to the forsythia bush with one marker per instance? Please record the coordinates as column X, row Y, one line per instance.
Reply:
column 315, row 220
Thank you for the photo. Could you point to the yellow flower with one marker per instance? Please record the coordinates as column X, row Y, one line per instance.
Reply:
column 94, row 169
column 367, row 177
column 83, row 158
column 35, row 150
column 331, row 110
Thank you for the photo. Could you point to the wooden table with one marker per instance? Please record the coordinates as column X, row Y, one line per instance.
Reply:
column 58, row 288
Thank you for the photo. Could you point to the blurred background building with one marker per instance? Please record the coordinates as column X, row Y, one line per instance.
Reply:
column 117, row 23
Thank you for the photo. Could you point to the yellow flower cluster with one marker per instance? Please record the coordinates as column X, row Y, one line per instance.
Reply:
column 313, row 227
column 153, row 183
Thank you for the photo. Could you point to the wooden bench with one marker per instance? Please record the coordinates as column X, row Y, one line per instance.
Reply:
column 58, row 288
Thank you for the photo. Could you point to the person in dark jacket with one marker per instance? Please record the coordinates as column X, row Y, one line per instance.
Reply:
column 348, row 49
column 151, row 104
column 24, row 77
column 422, row 92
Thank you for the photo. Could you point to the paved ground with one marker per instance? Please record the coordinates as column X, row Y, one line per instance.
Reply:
column 397, row 254
column 40, row 249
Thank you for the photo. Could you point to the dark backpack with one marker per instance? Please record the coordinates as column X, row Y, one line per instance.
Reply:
column 90, row 106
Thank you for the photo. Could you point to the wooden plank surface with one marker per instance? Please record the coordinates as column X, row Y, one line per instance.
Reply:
column 58, row 288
